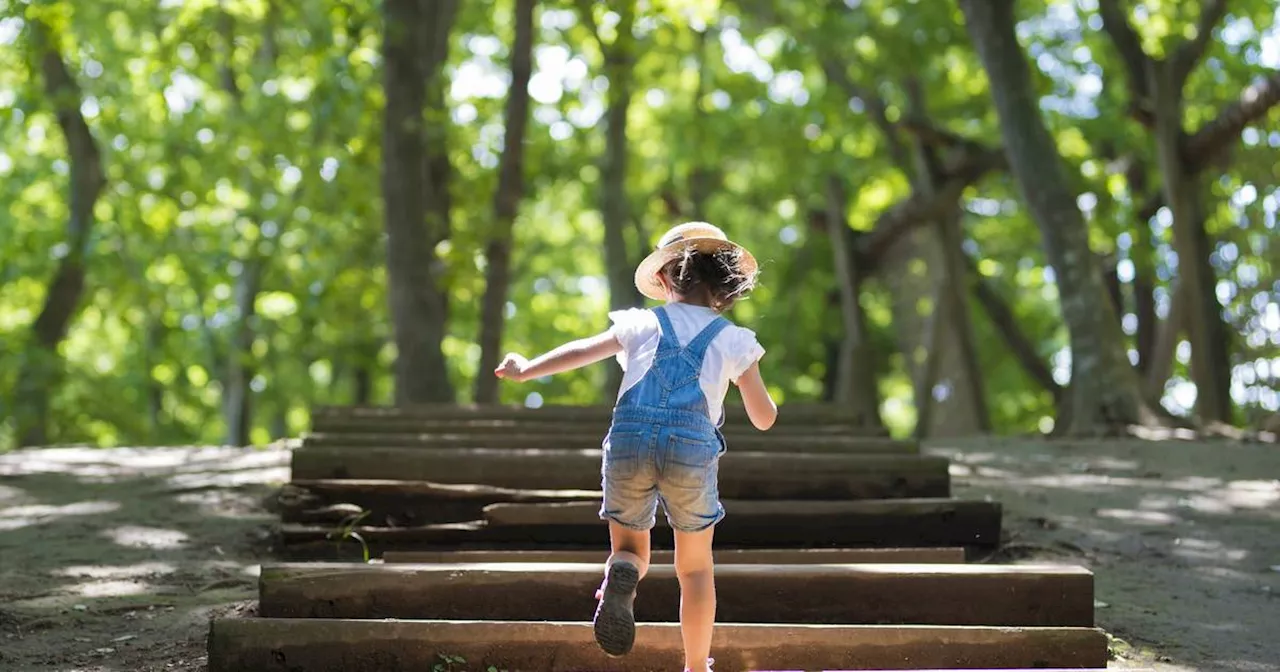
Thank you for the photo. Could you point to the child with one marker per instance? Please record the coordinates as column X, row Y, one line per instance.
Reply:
column 665, row 443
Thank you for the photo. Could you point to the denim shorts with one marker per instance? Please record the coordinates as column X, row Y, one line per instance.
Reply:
column 646, row 463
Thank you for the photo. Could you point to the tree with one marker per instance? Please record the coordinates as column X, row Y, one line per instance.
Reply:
column 1104, row 393
column 506, row 202
column 1157, row 98
column 40, row 366
column 415, row 187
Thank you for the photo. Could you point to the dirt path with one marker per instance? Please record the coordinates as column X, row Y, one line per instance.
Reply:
column 1183, row 538
column 115, row 559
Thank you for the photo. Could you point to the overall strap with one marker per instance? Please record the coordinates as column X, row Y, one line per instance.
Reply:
column 698, row 346
column 667, row 338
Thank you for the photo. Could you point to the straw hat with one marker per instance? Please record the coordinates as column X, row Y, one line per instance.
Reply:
column 701, row 236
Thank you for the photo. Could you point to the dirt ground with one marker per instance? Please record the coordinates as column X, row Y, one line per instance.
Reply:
column 115, row 559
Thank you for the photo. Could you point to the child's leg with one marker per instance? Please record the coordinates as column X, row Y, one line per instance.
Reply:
column 694, row 567
column 614, row 623
column 629, row 545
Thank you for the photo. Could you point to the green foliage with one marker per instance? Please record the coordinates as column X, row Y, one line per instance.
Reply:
column 246, row 134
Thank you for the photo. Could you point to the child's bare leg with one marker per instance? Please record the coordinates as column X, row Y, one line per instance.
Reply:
column 694, row 567
column 629, row 545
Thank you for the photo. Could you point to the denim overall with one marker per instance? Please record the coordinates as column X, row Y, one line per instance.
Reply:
column 662, row 445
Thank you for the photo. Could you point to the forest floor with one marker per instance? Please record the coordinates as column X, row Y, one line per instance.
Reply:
column 115, row 559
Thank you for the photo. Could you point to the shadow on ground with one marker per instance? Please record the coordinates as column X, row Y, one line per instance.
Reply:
column 114, row 559
column 1184, row 537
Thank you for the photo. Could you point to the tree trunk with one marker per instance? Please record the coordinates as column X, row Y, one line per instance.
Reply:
column 1015, row 340
column 362, row 385
column 619, row 60
column 1142, row 251
column 506, row 202
column 236, row 396
column 1104, row 393
column 856, row 387
column 1210, row 367
column 41, row 363
column 415, row 207
column 1166, row 343
column 927, row 371
column 951, row 361
column 154, row 344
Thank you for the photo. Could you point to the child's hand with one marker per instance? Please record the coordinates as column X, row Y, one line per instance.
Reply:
column 512, row 367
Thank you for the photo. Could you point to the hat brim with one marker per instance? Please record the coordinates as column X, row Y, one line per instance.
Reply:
column 647, row 272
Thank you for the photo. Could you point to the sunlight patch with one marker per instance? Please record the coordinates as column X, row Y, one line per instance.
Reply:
column 116, row 571
column 1140, row 517
column 16, row 517
column 146, row 537
column 112, row 588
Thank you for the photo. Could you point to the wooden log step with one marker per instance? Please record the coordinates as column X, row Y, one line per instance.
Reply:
column 743, row 475
column 323, row 645
column 923, row 594
column 751, row 556
column 849, row 524
column 734, row 412
column 589, row 441
column 535, row 425
column 404, row 503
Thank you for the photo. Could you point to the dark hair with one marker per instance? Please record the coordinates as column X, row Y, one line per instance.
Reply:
column 714, row 278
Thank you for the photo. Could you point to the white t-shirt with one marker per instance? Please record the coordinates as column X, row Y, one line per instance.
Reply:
column 730, row 354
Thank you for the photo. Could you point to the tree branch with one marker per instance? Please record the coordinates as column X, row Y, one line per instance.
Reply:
column 1200, row 148
column 1001, row 316
column 1191, row 51
column 1115, row 22
column 1253, row 104
column 918, row 208
column 836, row 74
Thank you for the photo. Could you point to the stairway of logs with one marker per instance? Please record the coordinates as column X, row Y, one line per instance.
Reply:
column 842, row 550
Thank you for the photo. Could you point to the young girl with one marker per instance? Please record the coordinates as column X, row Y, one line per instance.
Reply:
column 664, row 443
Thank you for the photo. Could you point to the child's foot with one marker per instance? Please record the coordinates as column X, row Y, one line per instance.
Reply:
column 615, row 623
column 710, row 662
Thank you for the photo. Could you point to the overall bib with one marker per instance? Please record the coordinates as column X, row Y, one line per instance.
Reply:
column 662, row 446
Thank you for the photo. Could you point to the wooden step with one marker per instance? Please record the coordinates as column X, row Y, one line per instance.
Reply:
column 749, row 524
column 405, row 503
column 535, row 425
column 751, row 556
column 743, row 475
column 322, row 645
column 918, row 594
column 788, row 414
column 858, row 445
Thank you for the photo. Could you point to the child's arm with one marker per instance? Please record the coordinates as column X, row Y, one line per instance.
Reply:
column 572, row 355
column 760, row 407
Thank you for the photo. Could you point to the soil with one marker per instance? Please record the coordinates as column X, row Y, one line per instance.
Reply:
column 115, row 559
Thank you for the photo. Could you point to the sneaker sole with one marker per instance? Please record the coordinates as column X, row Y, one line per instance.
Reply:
column 615, row 623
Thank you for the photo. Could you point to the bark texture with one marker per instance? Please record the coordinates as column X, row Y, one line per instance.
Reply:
column 619, row 61
column 41, row 364
column 415, row 172
column 1210, row 367
column 237, row 409
column 855, row 386
column 1104, row 393
column 1156, row 86
column 506, row 203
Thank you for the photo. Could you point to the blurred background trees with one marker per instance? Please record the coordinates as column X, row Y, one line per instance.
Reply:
column 218, row 213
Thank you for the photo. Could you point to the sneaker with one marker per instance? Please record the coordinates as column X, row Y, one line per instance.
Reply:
column 710, row 662
column 615, row 622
